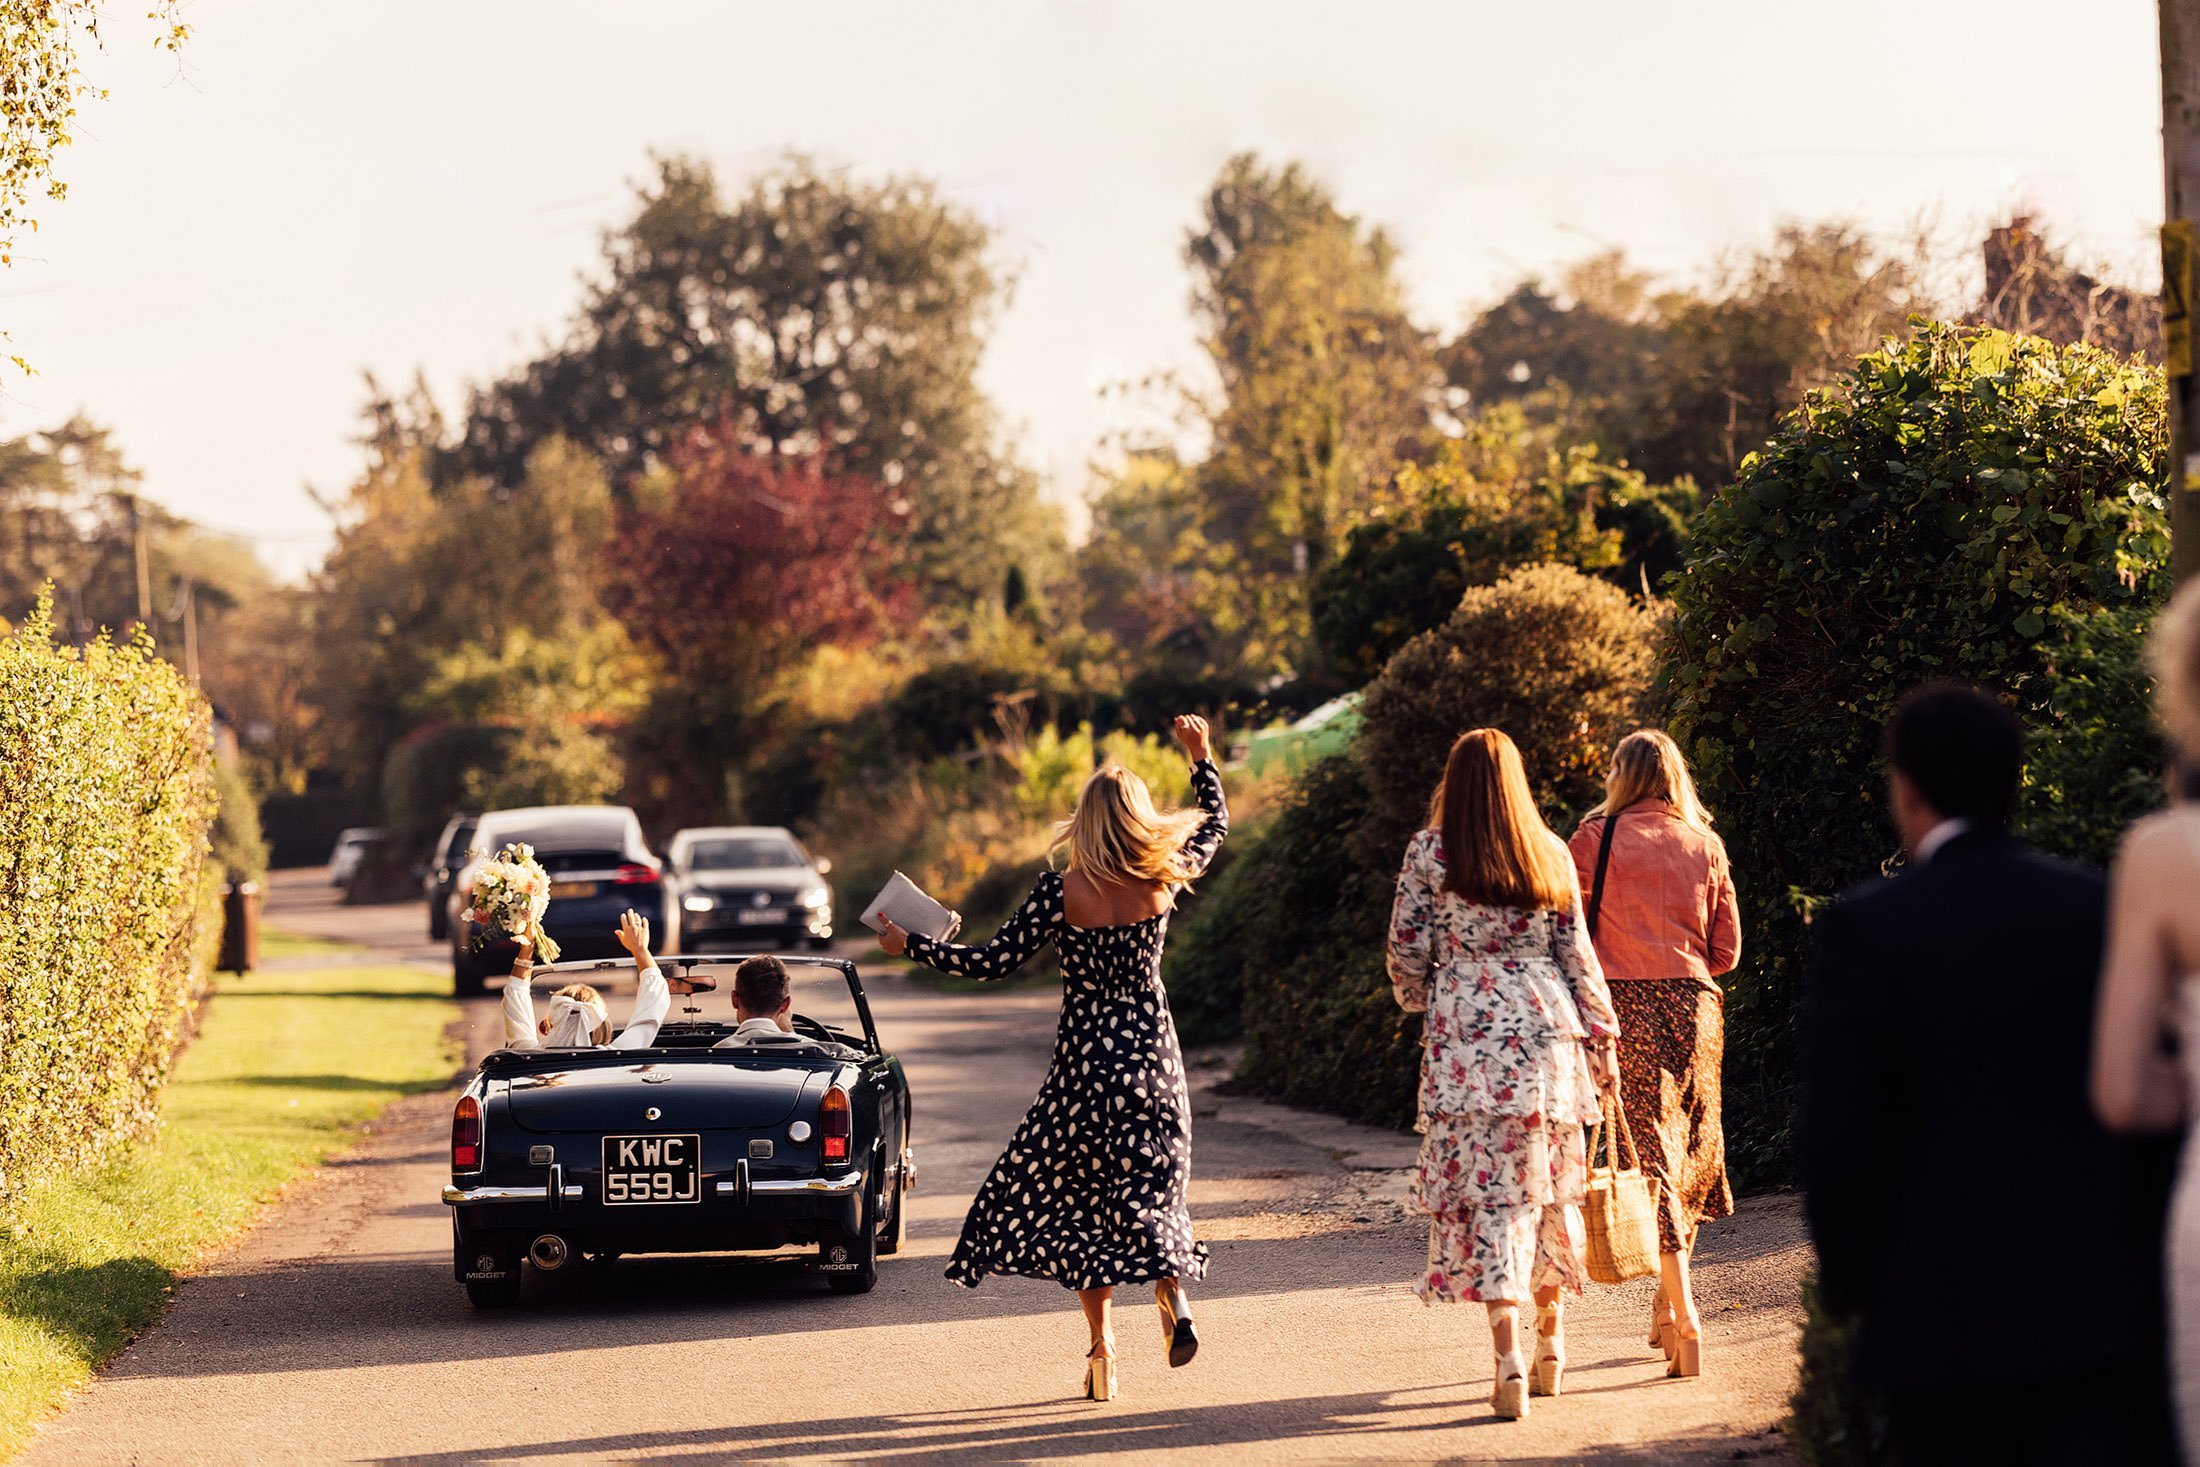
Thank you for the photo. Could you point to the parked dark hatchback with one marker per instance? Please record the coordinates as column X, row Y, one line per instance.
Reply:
column 699, row 1143
column 598, row 864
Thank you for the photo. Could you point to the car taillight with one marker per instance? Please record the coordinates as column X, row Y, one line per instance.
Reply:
column 835, row 1126
column 466, row 1135
column 634, row 873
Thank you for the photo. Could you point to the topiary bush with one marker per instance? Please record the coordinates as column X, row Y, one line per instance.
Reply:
column 106, row 792
column 1559, row 660
column 1968, row 504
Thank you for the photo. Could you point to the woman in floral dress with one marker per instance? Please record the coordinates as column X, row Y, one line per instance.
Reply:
column 1487, row 940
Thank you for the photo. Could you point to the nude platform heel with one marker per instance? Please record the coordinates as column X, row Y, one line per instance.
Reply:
column 1550, row 1351
column 1100, row 1374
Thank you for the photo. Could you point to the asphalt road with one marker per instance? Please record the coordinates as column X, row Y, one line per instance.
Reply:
column 333, row 1331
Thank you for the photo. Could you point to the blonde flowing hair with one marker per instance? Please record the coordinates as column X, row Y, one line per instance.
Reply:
column 1497, row 850
column 1117, row 835
column 1647, row 765
column 2174, row 650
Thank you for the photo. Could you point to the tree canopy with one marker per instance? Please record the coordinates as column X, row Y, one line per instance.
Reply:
column 815, row 315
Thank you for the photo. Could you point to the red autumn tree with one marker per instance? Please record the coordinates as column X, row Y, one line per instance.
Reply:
column 754, row 557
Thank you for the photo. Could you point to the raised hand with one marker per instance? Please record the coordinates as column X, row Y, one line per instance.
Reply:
column 634, row 936
column 1191, row 731
column 892, row 938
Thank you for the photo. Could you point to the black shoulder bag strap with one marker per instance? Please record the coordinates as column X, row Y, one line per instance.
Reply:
column 1604, row 859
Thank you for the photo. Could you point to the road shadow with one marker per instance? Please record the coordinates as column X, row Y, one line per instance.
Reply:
column 1045, row 1428
column 326, row 1313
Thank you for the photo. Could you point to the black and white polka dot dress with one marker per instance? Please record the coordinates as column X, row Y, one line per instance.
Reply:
column 1092, row 1189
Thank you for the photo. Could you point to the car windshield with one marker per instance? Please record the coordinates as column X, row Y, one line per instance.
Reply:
column 744, row 853
column 820, row 993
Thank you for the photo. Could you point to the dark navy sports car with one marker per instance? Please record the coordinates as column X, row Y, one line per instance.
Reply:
column 700, row 1143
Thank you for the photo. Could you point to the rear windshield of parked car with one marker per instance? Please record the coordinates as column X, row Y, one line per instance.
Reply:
column 747, row 852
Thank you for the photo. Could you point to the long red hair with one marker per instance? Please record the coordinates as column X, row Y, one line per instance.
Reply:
column 1497, row 850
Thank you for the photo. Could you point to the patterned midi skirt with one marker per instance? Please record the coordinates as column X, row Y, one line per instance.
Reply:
column 1672, row 1037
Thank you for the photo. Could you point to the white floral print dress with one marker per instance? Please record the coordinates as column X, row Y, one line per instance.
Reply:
column 1509, row 995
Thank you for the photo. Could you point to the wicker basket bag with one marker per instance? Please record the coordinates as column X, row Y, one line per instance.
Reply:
column 1620, row 1214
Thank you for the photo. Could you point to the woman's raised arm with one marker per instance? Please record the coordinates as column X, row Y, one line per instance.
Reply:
column 1023, row 934
column 519, row 1002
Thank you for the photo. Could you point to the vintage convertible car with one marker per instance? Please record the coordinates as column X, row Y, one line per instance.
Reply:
column 696, row 1144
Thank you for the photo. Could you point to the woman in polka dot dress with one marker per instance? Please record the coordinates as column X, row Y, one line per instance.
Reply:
column 1091, row 1191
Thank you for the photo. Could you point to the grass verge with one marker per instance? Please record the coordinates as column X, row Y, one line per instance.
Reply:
column 285, row 1067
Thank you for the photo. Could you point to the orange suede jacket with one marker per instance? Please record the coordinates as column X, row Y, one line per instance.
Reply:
column 1668, row 897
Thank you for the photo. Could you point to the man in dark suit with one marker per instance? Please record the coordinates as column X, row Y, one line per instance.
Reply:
column 1968, row 1210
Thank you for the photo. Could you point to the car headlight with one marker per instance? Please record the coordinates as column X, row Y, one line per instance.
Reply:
column 817, row 896
column 698, row 901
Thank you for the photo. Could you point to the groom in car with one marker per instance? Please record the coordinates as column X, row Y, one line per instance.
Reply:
column 763, row 1005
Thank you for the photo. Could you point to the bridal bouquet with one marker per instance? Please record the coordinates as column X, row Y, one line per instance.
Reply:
column 510, row 895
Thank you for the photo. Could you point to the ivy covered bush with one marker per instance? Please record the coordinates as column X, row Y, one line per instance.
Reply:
column 106, row 792
column 1968, row 504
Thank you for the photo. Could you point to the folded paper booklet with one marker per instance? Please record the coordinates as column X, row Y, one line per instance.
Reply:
column 903, row 903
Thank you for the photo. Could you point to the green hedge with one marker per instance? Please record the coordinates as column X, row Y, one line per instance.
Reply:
column 1969, row 504
column 106, row 793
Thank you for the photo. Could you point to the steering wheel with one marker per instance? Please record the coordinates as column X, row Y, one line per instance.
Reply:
column 810, row 1028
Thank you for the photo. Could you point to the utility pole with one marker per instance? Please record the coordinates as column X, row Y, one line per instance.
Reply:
column 144, row 564
column 2180, row 242
column 191, row 630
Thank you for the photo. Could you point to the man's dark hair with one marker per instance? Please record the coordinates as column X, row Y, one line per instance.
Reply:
column 762, row 985
column 1961, row 748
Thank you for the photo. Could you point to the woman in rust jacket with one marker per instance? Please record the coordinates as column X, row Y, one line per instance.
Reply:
column 1663, row 919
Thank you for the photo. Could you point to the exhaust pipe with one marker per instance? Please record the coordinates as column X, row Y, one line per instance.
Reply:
column 549, row 1252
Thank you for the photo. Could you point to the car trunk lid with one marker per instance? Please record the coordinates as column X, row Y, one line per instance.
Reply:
column 719, row 1096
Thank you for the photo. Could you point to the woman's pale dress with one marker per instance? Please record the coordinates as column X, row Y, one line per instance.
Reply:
column 1510, row 996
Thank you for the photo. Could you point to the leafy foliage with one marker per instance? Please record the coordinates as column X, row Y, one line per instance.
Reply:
column 1292, row 933
column 1052, row 767
column 815, row 316
column 420, row 572
column 1969, row 504
column 106, row 792
column 1685, row 383
column 237, row 848
column 1838, row 1420
column 744, row 565
column 40, row 70
column 1561, row 661
column 1503, row 494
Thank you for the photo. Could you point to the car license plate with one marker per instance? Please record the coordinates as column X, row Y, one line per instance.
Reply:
column 753, row 917
column 572, row 889
column 652, row 1169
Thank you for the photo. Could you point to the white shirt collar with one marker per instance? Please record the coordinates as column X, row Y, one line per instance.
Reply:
column 1939, row 836
column 760, row 1025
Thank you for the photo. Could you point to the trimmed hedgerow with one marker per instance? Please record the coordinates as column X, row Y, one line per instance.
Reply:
column 106, row 793
column 1968, row 504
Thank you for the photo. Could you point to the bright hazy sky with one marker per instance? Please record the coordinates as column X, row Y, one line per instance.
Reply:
column 329, row 186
